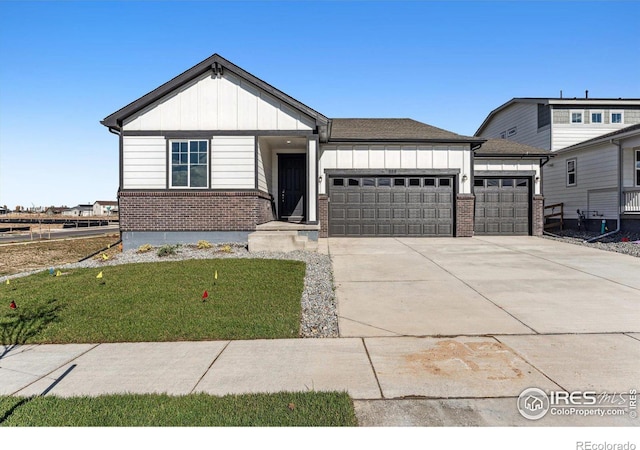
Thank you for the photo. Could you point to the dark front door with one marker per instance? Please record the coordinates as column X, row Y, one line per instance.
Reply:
column 291, row 184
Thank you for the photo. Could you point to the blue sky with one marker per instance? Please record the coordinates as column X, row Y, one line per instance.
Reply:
column 64, row 66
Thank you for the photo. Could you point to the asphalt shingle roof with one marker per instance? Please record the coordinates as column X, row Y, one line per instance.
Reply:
column 390, row 130
column 507, row 147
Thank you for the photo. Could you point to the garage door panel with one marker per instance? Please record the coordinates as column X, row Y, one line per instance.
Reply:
column 383, row 206
column 384, row 213
column 368, row 197
column 368, row 213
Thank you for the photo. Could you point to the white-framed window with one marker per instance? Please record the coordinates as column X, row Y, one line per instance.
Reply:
column 596, row 116
column 576, row 116
column 572, row 171
column 189, row 163
column 617, row 117
column 637, row 167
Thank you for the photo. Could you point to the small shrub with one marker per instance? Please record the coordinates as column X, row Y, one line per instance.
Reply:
column 225, row 249
column 167, row 250
column 145, row 248
column 204, row 244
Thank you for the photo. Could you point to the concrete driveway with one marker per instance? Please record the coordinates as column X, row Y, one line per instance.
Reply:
column 457, row 328
column 481, row 286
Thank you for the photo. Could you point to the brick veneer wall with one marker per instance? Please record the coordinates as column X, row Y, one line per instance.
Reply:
column 538, row 215
column 192, row 211
column 323, row 215
column 464, row 215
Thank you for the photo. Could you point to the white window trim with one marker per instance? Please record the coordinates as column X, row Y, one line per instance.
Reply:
column 208, row 172
column 576, row 111
column 575, row 172
column 596, row 111
column 612, row 112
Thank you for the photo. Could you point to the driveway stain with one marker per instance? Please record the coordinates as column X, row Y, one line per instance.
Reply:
column 451, row 358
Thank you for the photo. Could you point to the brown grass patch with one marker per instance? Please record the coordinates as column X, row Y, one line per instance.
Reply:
column 23, row 257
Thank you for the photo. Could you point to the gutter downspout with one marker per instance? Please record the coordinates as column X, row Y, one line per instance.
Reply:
column 613, row 142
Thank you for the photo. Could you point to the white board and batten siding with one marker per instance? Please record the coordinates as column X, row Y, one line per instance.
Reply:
column 233, row 162
column 596, row 181
column 218, row 103
column 396, row 157
column 510, row 165
column 144, row 162
column 524, row 118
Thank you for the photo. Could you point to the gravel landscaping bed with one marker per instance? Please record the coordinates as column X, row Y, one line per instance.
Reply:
column 627, row 243
column 319, row 310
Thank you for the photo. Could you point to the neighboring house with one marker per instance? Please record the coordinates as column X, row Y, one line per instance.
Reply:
column 105, row 208
column 4, row 210
column 55, row 210
column 556, row 123
column 79, row 211
column 600, row 178
column 215, row 152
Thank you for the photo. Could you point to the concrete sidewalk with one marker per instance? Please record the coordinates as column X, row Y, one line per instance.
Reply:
column 393, row 380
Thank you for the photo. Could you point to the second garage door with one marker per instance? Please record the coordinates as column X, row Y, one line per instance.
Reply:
column 391, row 205
column 502, row 206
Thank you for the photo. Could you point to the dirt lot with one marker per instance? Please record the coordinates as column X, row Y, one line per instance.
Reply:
column 23, row 257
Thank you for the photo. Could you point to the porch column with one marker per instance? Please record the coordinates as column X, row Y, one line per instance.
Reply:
column 312, row 180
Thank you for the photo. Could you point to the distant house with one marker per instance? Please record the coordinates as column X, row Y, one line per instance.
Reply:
column 598, row 179
column 4, row 210
column 55, row 210
column 105, row 208
column 556, row 123
column 79, row 211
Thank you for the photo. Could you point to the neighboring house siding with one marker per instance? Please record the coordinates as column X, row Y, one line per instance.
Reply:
column 233, row 162
column 510, row 165
column 596, row 173
column 524, row 117
column 218, row 103
column 396, row 157
column 144, row 162
column 565, row 135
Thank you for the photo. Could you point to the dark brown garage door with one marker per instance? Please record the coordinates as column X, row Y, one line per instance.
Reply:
column 502, row 206
column 391, row 206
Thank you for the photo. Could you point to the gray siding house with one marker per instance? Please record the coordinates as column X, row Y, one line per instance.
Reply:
column 598, row 179
column 556, row 123
column 217, row 153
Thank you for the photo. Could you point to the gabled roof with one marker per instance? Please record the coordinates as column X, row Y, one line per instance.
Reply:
column 392, row 130
column 633, row 130
column 505, row 147
column 560, row 101
column 216, row 63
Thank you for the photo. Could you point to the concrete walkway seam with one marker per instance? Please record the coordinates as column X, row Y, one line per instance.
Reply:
column 375, row 374
column 209, row 368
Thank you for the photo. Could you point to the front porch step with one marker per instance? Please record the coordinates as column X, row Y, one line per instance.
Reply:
column 280, row 241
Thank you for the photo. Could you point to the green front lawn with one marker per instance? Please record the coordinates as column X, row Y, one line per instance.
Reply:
column 251, row 299
column 324, row 409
